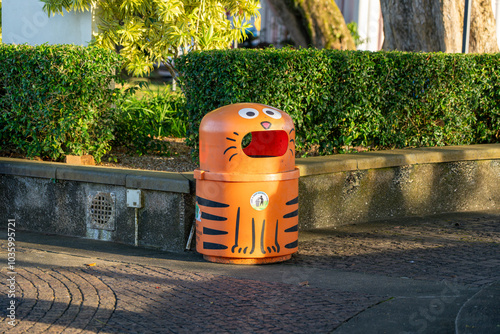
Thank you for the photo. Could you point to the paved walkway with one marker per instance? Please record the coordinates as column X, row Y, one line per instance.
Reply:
column 419, row 275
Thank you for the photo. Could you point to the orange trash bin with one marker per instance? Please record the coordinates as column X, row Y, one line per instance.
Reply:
column 247, row 185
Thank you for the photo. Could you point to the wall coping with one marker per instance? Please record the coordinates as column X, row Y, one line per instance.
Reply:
column 394, row 158
column 183, row 182
column 130, row 178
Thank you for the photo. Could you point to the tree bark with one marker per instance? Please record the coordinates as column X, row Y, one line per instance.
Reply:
column 437, row 25
column 317, row 23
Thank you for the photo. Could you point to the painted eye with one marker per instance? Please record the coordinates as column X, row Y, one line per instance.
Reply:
column 272, row 113
column 248, row 113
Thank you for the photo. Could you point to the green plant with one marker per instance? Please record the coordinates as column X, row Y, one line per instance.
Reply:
column 142, row 122
column 156, row 31
column 353, row 29
column 57, row 100
column 344, row 99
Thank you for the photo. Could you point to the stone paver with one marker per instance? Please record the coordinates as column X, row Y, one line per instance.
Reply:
column 464, row 248
column 129, row 298
column 135, row 296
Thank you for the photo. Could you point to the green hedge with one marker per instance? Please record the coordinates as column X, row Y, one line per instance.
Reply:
column 340, row 99
column 57, row 100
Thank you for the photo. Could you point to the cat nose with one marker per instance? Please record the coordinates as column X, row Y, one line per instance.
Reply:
column 266, row 125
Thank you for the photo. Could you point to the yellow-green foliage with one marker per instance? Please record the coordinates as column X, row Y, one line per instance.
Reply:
column 153, row 31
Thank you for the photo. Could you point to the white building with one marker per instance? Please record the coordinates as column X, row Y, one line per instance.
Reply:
column 368, row 16
column 496, row 12
column 272, row 31
column 24, row 21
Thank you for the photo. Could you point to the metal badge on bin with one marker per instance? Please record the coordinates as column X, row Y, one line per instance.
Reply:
column 247, row 185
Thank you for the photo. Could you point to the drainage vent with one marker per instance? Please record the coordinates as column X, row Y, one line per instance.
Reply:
column 102, row 211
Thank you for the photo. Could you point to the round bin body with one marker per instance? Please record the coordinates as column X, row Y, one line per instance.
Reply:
column 247, row 186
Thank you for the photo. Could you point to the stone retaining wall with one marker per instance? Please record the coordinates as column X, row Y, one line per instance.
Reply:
column 91, row 202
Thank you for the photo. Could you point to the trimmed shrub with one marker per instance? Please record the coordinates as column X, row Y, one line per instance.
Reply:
column 57, row 100
column 341, row 99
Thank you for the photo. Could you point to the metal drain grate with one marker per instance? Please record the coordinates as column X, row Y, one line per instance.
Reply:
column 102, row 211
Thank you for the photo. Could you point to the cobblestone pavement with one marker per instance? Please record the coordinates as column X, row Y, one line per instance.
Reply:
column 142, row 299
column 126, row 297
column 464, row 248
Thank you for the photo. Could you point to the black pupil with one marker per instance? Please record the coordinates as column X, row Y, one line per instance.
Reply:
column 270, row 112
column 250, row 114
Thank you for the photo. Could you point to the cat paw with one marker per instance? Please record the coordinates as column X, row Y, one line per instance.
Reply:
column 241, row 250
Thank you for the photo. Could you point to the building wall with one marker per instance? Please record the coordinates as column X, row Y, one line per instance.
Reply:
column 272, row 31
column 368, row 15
column 24, row 21
column 495, row 4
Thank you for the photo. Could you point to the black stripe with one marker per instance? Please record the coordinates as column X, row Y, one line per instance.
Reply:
column 291, row 131
column 288, row 215
column 237, row 231
column 233, row 156
column 276, row 238
column 293, row 201
column 236, row 133
column 211, row 245
column 253, row 236
column 229, row 148
column 231, row 139
column 262, row 237
column 208, row 216
column 292, row 244
column 210, row 231
column 209, row 203
column 294, row 228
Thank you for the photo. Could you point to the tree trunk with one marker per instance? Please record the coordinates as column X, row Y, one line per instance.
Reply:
column 317, row 23
column 437, row 25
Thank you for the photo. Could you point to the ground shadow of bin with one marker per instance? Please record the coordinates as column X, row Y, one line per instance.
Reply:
column 247, row 193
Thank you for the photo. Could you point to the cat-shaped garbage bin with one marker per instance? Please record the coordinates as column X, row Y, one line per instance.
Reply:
column 247, row 186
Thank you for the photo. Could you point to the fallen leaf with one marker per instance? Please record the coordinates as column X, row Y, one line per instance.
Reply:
column 91, row 264
column 305, row 283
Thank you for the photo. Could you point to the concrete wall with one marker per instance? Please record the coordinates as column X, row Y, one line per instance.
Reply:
column 56, row 198
column 333, row 191
column 353, row 188
column 24, row 21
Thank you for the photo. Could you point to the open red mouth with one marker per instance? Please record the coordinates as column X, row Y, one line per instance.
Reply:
column 266, row 144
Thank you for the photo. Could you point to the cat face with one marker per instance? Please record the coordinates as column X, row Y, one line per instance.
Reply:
column 247, row 138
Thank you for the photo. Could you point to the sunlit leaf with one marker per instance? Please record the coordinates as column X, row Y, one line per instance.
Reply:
column 163, row 28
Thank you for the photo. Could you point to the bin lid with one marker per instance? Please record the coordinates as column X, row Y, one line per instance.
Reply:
column 247, row 138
